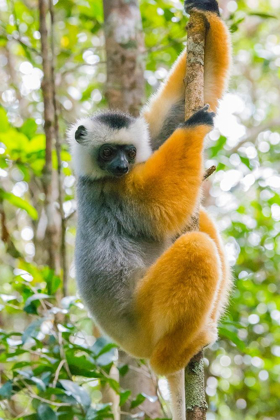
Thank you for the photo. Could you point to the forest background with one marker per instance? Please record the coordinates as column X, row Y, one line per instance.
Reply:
column 53, row 362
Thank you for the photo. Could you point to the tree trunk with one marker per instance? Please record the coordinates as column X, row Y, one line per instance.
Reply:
column 196, row 405
column 51, row 239
column 125, row 91
column 125, row 55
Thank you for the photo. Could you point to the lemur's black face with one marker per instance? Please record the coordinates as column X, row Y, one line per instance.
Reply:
column 116, row 159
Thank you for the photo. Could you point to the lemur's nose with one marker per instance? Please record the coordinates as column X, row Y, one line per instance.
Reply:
column 122, row 169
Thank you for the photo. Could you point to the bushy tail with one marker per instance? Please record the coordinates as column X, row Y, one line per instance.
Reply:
column 176, row 383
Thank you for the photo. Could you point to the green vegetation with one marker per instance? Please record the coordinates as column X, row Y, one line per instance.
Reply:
column 51, row 365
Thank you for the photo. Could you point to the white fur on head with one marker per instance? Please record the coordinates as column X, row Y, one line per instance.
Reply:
column 99, row 133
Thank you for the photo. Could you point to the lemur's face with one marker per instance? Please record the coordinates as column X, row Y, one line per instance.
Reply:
column 112, row 158
column 109, row 144
column 116, row 159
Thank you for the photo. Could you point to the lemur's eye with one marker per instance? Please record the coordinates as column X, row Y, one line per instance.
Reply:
column 107, row 152
column 132, row 154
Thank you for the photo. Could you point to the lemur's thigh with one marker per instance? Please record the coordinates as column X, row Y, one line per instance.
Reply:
column 177, row 295
column 208, row 226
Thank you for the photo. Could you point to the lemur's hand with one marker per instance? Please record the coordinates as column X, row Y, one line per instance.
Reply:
column 205, row 5
column 201, row 117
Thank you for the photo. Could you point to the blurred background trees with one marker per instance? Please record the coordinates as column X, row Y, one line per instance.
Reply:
column 52, row 364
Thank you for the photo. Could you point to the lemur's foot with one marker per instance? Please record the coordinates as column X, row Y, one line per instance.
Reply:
column 201, row 117
column 204, row 5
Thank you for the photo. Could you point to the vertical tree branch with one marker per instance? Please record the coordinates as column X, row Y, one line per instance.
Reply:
column 194, row 80
column 63, row 255
column 51, row 232
column 196, row 405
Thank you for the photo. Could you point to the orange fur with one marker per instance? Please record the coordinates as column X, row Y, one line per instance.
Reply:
column 179, row 290
column 172, row 190
column 182, row 295
column 217, row 63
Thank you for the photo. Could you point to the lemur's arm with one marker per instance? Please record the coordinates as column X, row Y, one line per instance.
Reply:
column 167, row 186
column 166, row 109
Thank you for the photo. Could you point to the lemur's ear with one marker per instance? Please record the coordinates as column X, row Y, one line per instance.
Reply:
column 80, row 134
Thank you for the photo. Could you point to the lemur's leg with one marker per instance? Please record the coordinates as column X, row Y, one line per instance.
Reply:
column 175, row 298
column 210, row 333
column 166, row 108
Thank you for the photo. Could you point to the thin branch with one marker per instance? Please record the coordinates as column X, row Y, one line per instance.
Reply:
column 209, row 172
column 66, row 218
column 77, row 66
column 57, row 373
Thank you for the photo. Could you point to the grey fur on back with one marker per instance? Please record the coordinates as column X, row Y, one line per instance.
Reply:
column 115, row 245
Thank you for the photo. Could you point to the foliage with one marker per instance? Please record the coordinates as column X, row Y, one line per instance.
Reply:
column 52, row 364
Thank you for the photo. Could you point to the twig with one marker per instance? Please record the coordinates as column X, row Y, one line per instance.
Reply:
column 57, row 372
column 209, row 172
column 35, row 396
column 66, row 218
column 62, row 354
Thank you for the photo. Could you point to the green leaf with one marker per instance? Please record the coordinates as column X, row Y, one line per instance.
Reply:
column 262, row 15
column 6, row 390
column 53, row 281
column 80, row 365
column 29, row 128
column 32, row 330
column 102, row 345
column 217, row 147
column 45, row 412
column 138, row 400
column 232, row 335
column 76, row 391
column 20, row 203
column 123, row 369
column 40, row 384
column 101, row 411
column 4, row 123
column 36, row 296
column 124, row 395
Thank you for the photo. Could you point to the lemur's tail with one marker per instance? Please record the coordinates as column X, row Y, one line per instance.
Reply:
column 176, row 383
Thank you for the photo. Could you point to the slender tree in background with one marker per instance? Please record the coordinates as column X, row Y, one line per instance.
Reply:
column 52, row 182
column 125, row 55
column 124, row 42
column 49, row 117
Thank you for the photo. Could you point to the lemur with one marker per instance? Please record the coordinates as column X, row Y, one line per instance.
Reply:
column 156, row 291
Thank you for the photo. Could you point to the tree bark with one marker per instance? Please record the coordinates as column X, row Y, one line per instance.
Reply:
column 196, row 405
column 63, row 250
column 125, row 55
column 125, row 88
column 49, row 117
column 194, row 80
